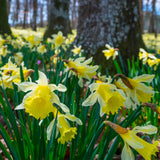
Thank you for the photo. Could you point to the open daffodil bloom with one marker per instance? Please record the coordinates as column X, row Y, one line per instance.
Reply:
column 38, row 103
column 108, row 96
column 137, row 90
column 82, row 68
column 67, row 133
column 131, row 139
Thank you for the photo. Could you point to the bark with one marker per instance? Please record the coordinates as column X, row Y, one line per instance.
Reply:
column 41, row 15
column 74, row 13
column 58, row 18
column 141, row 14
column 151, row 28
column 8, row 6
column 4, row 25
column 109, row 21
column 17, row 12
column 34, row 25
column 25, row 13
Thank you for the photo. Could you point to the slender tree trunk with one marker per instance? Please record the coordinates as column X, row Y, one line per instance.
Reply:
column 109, row 21
column 17, row 12
column 58, row 17
column 141, row 14
column 8, row 6
column 25, row 13
column 34, row 26
column 4, row 25
column 151, row 28
column 41, row 15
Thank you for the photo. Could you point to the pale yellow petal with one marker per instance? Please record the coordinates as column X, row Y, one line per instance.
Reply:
column 127, row 153
column 149, row 129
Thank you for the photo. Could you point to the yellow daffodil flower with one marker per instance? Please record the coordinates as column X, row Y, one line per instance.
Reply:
column 154, row 62
column 38, row 102
column 18, row 58
column 4, row 51
column 110, row 52
column 41, row 49
column 67, row 133
column 137, row 90
column 58, row 39
column 81, row 68
column 11, row 73
column 77, row 50
column 108, row 96
column 131, row 139
column 143, row 55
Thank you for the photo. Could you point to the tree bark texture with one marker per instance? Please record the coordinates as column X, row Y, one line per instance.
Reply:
column 58, row 17
column 4, row 25
column 151, row 28
column 34, row 26
column 109, row 21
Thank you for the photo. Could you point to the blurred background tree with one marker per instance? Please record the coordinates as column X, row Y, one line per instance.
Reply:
column 58, row 19
column 4, row 26
column 109, row 21
column 119, row 23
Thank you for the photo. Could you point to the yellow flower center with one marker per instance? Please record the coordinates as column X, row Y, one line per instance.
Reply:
column 39, row 105
column 59, row 40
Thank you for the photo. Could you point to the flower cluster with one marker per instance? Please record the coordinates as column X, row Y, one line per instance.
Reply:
column 149, row 58
column 38, row 102
column 11, row 73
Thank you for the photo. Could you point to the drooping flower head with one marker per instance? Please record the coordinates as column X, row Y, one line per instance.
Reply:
column 131, row 139
column 154, row 62
column 137, row 90
column 67, row 133
column 110, row 52
column 143, row 55
column 108, row 96
column 39, row 101
column 82, row 68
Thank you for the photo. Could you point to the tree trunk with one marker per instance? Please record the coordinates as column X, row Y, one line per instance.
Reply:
column 109, row 21
column 141, row 14
column 58, row 18
column 8, row 6
column 4, row 25
column 17, row 12
column 151, row 28
column 34, row 25
column 25, row 13
column 41, row 15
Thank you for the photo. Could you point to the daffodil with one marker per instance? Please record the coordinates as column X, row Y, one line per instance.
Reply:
column 39, row 101
column 77, row 50
column 82, row 68
column 137, row 90
column 18, row 57
column 67, row 133
column 108, row 96
column 41, row 49
column 131, row 139
column 110, row 52
column 4, row 51
column 154, row 62
column 58, row 39
column 11, row 73
column 143, row 55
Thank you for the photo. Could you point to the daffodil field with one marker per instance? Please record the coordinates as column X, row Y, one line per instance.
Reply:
column 56, row 104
